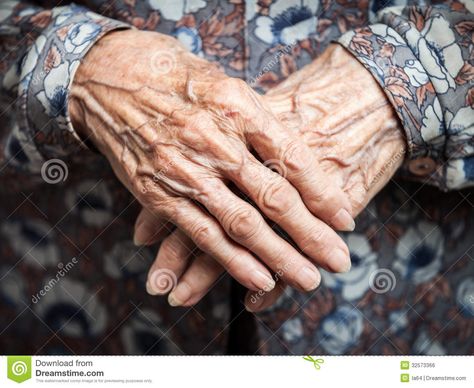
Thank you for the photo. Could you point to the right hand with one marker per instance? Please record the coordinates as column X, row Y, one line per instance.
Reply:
column 346, row 119
column 176, row 131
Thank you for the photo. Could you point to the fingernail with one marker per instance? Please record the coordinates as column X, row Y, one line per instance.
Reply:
column 308, row 278
column 180, row 295
column 339, row 261
column 253, row 302
column 343, row 221
column 173, row 302
column 262, row 281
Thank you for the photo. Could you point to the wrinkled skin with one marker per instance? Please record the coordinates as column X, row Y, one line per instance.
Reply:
column 339, row 111
column 178, row 131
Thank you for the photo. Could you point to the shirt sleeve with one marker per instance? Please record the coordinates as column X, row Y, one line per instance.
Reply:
column 422, row 57
column 40, row 51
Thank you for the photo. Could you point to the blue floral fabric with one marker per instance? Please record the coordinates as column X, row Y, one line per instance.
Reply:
column 71, row 280
column 423, row 59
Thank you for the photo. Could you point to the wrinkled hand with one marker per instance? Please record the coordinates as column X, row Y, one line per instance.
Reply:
column 337, row 109
column 177, row 131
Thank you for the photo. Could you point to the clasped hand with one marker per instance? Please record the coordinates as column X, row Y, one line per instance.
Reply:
column 205, row 153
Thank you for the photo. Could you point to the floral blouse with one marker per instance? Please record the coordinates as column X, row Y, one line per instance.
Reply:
column 71, row 280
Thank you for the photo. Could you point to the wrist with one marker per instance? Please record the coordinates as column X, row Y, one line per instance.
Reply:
column 98, row 57
column 114, row 71
column 121, row 69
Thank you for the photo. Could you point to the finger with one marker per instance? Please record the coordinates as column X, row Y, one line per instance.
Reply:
column 245, row 225
column 275, row 143
column 150, row 228
column 256, row 301
column 170, row 263
column 209, row 236
column 281, row 202
column 198, row 279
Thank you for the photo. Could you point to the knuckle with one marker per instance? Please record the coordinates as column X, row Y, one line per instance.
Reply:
column 296, row 157
column 315, row 239
column 229, row 262
column 241, row 223
column 233, row 85
column 320, row 194
column 278, row 198
column 203, row 235
column 282, row 265
column 202, row 194
column 230, row 92
column 168, row 208
column 140, row 185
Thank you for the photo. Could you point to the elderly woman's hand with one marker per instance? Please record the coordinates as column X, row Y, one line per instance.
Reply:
column 337, row 108
column 177, row 131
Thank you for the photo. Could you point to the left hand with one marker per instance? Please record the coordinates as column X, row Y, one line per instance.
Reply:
column 344, row 116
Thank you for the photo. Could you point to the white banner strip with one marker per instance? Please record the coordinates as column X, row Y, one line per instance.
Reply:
column 238, row 371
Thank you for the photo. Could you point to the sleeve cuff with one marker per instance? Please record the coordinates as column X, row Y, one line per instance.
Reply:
column 403, row 78
column 48, row 69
